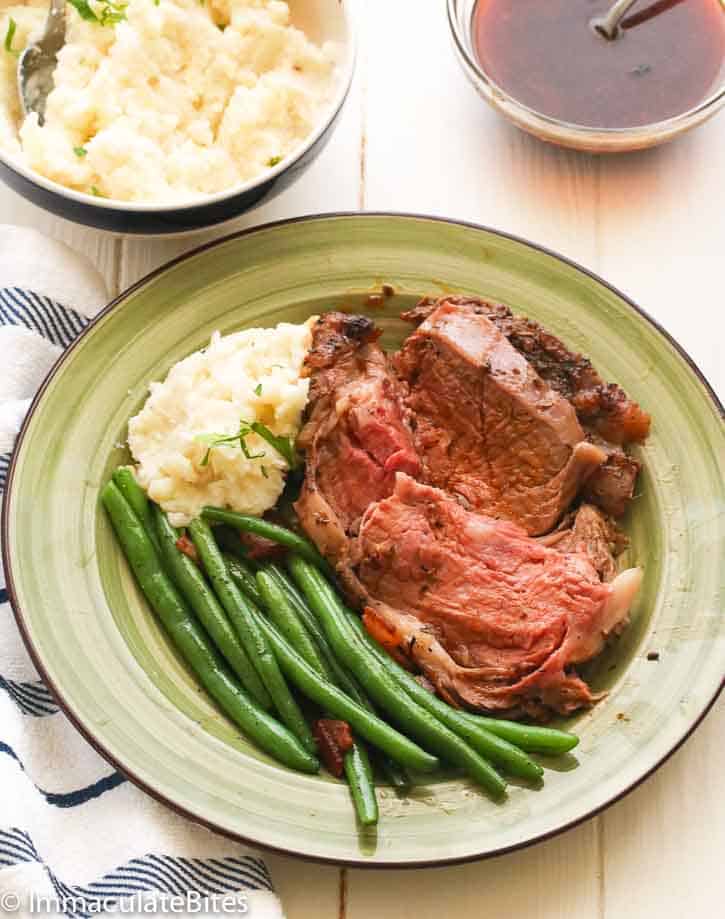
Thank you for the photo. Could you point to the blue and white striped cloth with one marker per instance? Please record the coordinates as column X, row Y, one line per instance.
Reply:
column 72, row 830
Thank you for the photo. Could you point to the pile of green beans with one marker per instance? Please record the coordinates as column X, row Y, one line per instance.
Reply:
column 202, row 599
column 240, row 611
column 399, row 707
column 392, row 771
column 256, row 635
column 193, row 644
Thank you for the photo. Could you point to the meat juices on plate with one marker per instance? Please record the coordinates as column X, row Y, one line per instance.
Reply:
column 494, row 618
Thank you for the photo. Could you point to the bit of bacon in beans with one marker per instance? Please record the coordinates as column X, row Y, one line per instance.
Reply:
column 334, row 739
column 185, row 545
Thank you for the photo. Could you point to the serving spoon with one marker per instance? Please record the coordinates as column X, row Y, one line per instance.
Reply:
column 38, row 62
column 608, row 25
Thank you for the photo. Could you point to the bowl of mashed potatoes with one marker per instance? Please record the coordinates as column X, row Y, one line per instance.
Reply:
column 172, row 115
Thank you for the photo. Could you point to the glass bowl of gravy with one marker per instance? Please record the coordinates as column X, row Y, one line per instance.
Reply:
column 543, row 65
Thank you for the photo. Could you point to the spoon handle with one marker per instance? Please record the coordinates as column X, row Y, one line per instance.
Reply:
column 609, row 23
column 54, row 37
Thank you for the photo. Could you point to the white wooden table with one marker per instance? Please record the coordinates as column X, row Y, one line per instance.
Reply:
column 415, row 137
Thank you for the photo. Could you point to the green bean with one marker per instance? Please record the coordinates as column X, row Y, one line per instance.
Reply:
column 241, row 612
column 358, row 771
column 228, row 541
column 244, row 577
column 135, row 495
column 359, row 775
column 394, row 773
column 268, row 530
column 197, row 593
column 488, row 744
column 363, row 722
column 380, row 685
column 530, row 737
column 291, row 589
column 284, row 616
column 193, row 644
column 397, row 777
column 333, row 670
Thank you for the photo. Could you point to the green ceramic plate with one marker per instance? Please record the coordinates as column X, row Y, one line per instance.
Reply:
column 115, row 674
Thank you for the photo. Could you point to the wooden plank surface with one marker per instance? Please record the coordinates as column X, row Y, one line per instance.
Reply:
column 548, row 880
column 415, row 137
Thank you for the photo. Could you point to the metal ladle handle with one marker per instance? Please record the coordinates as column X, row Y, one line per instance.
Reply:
column 608, row 25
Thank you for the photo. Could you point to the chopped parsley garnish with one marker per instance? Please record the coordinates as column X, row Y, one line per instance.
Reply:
column 10, row 35
column 273, row 160
column 258, row 389
column 220, row 440
column 112, row 13
column 264, row 471
column 84, row 10
column 96, row 193
column 80, row 152
column 106, row 13
column 283, row 445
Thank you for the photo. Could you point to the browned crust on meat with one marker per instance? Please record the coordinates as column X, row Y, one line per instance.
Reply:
column 612, row 486
column 336, row 339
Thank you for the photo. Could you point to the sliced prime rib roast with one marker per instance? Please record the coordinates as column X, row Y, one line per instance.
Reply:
column 609, row 417
column 487, row 428
column 493, row 618
column 356, row 436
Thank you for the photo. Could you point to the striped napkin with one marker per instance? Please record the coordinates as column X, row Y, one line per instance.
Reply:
column 76, row 836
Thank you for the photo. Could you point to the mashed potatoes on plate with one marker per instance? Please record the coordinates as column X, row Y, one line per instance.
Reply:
column 165, row 101
column 249, row 376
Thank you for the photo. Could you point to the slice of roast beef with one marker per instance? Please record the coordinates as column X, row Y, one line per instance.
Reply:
column 356, row 436
column 493, row 618
column 609, row 418
column 487, row 428
column 604, row 406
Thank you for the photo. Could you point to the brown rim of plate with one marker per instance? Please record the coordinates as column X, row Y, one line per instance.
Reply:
column 81, row 728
